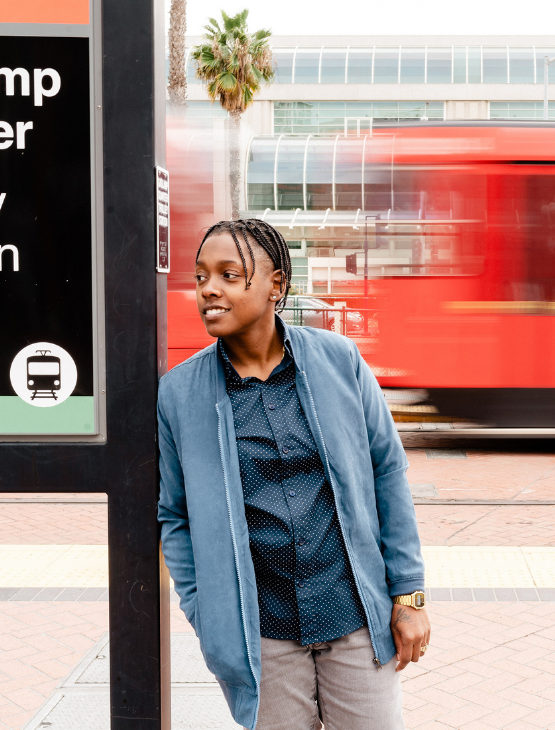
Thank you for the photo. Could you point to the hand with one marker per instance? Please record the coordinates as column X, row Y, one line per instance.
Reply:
column 411, row 630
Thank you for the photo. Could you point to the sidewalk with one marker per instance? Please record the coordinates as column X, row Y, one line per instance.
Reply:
column 491, row 663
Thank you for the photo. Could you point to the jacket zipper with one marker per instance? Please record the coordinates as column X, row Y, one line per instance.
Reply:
column 236, row 555
column 377, row 662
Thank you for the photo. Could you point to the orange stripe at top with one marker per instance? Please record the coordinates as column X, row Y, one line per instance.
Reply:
column 45, row 11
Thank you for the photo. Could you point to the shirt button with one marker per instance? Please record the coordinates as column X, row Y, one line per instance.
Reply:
column 292, row 493
column 271, row 407
column 285, row 450
column 302, row 541
column 300, row 583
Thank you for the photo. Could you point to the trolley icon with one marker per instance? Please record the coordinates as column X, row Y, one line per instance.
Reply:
column 44, row 375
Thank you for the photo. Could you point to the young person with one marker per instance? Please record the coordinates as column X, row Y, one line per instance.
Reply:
column 287, row 521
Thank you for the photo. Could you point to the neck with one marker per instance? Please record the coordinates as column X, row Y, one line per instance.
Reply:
column 256, row 351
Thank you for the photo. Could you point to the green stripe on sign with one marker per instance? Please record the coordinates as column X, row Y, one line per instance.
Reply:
column 74, row 416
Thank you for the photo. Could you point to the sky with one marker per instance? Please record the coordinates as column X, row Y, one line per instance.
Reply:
column 393, row 17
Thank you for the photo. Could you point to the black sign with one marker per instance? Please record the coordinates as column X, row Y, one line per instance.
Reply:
column 45, row 197
column 351, row 263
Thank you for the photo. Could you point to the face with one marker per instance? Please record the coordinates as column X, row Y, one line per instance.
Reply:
column 226, row 307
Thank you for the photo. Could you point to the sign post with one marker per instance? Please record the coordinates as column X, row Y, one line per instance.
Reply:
column 83, row 297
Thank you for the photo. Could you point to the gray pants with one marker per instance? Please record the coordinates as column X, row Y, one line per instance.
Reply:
column 333, row 681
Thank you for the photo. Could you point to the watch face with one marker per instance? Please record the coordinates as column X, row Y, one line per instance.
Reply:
column 420, row 600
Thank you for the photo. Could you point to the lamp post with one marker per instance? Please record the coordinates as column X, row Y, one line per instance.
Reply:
column 547, row 61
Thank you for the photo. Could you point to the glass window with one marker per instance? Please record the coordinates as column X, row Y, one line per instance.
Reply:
column 439, row 65
column 283, row 65
column 348, row 173
column 205, row 110
column 331, row 116
column 521, row 65
column 333, row 66
column 524, row 110
column 495, row 65
column 541, row 53
column 459, row 69
column 260, row 173
column 386, row 65
column 327, row 117
column 413, row 61
column 419, row 109
column 474, row 65
column 290, row 164
column 359, row 66
column 296, row 117
column 191, row 70
column 319, row 173
column 307, row 64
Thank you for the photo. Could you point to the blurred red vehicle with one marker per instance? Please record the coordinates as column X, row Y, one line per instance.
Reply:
column 465, row 303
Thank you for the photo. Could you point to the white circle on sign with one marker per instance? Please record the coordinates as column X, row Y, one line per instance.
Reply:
column 43, row 374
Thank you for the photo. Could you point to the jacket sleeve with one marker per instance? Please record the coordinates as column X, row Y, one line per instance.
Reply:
column 400, row 543
column 172, row 515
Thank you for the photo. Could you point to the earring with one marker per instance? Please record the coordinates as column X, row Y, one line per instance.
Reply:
column 273, row 297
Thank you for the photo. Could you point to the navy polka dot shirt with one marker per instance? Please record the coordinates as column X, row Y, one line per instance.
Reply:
column 306, row 590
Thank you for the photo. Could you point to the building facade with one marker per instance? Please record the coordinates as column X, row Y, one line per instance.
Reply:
column 307, row 139
column 323, row 80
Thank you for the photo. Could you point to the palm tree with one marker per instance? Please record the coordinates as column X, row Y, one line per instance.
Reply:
column 233, row 63
column 177, row 81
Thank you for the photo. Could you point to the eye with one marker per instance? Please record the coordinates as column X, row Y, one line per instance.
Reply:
column 231, row 275
column 200, row 278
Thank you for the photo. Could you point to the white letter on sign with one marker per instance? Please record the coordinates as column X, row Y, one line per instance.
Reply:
column 40, row 91
column 21, row 128
column 15, row 256
column 10, row 75
column 6, row 132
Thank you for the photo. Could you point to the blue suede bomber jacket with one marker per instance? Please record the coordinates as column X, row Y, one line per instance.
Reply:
column 205, row 538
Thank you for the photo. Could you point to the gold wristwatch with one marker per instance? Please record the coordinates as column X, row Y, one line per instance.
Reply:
column 416, row 600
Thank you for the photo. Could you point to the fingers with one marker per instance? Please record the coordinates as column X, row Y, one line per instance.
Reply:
column 405, row 656
column 416, row 653
column 410, row 651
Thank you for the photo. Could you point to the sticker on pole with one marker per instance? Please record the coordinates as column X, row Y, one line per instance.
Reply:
column 43, row 374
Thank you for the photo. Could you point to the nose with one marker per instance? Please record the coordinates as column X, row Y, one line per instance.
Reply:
column 210, row 288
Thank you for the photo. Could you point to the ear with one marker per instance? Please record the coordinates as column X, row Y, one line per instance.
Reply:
column 277, row 286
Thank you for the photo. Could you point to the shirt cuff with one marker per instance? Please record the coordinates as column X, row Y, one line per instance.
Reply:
column 405, row 587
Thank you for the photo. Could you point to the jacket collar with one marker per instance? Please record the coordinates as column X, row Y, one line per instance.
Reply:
column 221, row 391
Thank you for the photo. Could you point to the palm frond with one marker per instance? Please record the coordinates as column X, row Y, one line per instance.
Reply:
column 261, row 34
column 227, row 81
column 233, row 63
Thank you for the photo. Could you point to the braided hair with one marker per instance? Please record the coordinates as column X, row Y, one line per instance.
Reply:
column 268, row 238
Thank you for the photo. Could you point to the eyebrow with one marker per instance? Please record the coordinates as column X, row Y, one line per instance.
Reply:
column 223, row 261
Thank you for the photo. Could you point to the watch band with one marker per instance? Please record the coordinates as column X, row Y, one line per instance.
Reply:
column 415, row 600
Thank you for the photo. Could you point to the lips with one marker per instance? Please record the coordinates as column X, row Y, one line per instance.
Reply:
column 213, row 311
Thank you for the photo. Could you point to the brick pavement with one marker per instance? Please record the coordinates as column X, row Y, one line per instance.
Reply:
column 486, row 475
column 490, row 665
column 486, row 525
column 40, row 644
column 53, row 524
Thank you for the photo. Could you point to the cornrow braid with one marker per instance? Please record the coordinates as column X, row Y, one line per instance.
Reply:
column 268, row 238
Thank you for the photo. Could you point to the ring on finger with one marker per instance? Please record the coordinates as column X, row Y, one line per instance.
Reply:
column 424, row 648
